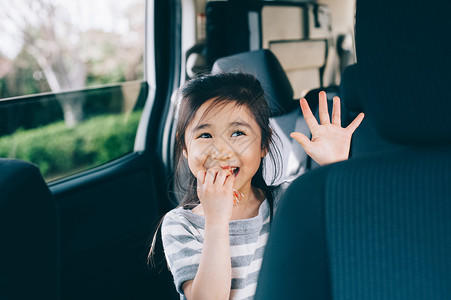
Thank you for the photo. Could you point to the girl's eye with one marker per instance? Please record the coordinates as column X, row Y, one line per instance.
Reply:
column 238, row 133
column 205, row 136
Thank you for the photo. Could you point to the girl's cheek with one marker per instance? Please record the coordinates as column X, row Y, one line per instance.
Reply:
column 194, row 166
column 248, row 145
column 197, row 158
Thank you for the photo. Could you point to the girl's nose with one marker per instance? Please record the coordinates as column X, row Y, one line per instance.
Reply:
column 221, row 155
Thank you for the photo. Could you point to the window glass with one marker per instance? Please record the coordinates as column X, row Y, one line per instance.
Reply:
column 71, row 81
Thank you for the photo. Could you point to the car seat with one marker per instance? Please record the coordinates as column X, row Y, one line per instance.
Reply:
column 365, row 140
column 378, row 226
column 29, row 232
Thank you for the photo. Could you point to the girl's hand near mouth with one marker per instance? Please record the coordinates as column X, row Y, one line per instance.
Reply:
column 215, row 192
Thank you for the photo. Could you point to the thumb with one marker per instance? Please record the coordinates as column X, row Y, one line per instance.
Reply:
column 301, row 139
column 355, row 123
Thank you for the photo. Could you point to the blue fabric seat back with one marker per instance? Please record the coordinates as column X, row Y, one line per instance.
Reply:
column 366, row 139
column 378, row 226
column 29, row 233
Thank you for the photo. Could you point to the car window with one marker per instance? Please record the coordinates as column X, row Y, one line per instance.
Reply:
column 71, row 81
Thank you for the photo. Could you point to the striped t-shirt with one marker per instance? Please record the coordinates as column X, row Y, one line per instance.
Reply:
column 183, row 237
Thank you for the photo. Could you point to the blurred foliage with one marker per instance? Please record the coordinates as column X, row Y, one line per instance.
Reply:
column 60, row 151
column 22, row 76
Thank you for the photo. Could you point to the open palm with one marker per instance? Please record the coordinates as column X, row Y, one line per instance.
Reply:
column 330, row 142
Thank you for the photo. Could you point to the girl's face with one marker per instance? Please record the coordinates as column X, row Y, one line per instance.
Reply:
column 228, row 137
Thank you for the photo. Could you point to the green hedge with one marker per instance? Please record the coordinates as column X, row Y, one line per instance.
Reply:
column 60, row 151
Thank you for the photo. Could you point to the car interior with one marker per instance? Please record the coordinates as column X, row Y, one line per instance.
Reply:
column 374, row 227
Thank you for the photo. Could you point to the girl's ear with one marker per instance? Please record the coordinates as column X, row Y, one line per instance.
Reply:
column 185, row 154
column 264, row 152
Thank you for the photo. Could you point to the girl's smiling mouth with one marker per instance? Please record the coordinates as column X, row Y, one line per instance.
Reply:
column 232, row 169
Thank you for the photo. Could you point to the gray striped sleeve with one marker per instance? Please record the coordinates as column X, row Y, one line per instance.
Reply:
column 182, row 248
column 278, row 193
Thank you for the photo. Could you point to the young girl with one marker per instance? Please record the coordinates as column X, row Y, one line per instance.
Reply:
column 214, row 241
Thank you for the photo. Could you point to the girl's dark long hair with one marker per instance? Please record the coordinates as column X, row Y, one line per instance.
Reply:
column 241, row 90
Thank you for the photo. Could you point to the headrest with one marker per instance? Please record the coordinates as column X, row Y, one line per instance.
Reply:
column 267, row 69
column 349, row 89
column 405, row 68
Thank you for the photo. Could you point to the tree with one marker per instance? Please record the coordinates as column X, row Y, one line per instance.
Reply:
column 50, row 38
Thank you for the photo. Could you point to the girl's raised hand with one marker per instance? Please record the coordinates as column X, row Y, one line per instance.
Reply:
column 215, row 192
column 330, row 142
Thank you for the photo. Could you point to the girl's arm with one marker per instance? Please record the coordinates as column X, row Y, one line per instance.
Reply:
column 214, row 276
column 330, row 142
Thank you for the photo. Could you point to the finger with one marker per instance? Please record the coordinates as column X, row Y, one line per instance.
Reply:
column 222, row 176
column 229, row 181
column 323, row 111
column 308, row 115
column 336, row 112
column 355, row 123
column 210, row 177
column 301, row 139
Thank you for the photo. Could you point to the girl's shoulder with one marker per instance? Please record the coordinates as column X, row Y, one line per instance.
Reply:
column 182, row 217
column 180, row 226
column 176, row 215
column 174, row 223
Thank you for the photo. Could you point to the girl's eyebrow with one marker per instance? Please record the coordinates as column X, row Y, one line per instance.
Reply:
column 231, row 124
column 236, row 124
column 200, row 127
